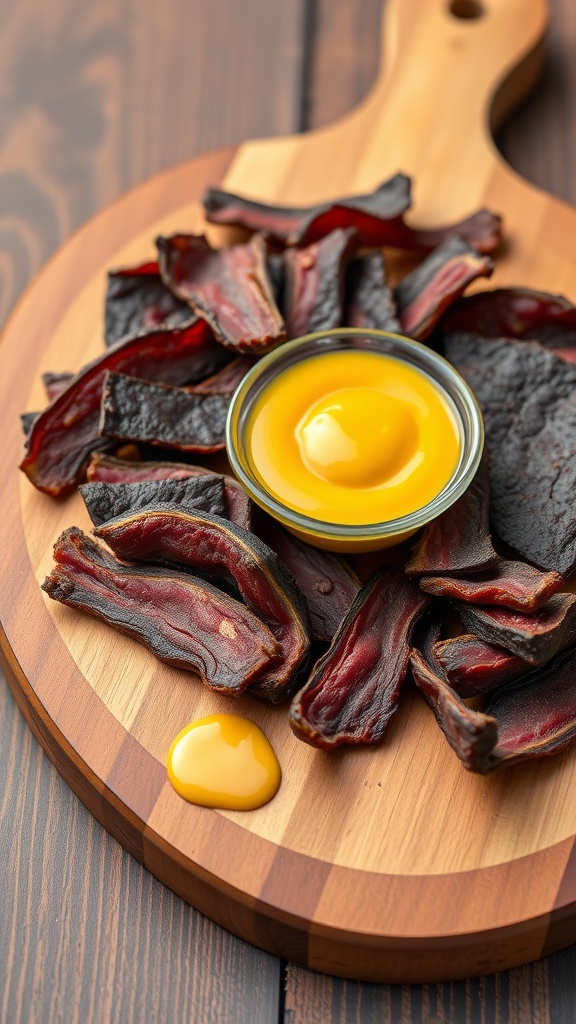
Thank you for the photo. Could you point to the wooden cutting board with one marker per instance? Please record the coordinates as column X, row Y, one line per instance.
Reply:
column 394, row 863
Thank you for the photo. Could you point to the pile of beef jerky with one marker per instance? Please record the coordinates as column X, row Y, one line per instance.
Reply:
column 212, row 585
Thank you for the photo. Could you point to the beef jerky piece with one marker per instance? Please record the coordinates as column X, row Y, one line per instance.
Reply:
column 516, row 313
column 472, row 666
column 369, row 299
column 137, row 301
column 65, row 434
column 536, row 714
column 227, row 379
column 353, row 690
column 230, row 288
column 376, row 216
column 106, row 501
column 183, row 621
column 238, row 507
column 135, row 410
column 307, row 224
column 219, row 549
column 314, row 291
column 327, row 582
column 536, row 637
column 514, row 585
column 55, row 383
column 423, row 295
column 528, row 401
column 458, row 541
column 471, row 734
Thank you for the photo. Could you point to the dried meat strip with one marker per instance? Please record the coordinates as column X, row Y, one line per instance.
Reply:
column 327, row 582
column 216, row 547
column 422, row 296
column 105, row 501
column 163, row 416
column 516, row 313
column 473, row 666
column 528, row 401
column 515, row 585
column 369, row 299
column 314, row 285
column 536, row 638
column 458, row 542
column 55, row 383
column 64, row 435
column 110, row 469
column 354, row 689
column 137, row 301
column 230, row 288
column 183, row 621
column 227, row 379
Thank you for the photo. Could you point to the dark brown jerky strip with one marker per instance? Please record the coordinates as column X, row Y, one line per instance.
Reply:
column 327, row 582
column 536, row 638
column 426, row 293
column 516, row 313
column 471, row 734
column 353, row 690
column 458, row 541
column 514, row 585
column 168, row 417
column 64, row 435
column 227, row 379
column 472, row 666
column 106, row 501
column 303, row 225
column 230, row 288
column 183, row 621
column 27, row 419
column 137, row 300
column 314, row 286
column 110, row 469
column 528, row 401
column 220, row 549
column 369, row 300
column 55, row 383
column 537, row 714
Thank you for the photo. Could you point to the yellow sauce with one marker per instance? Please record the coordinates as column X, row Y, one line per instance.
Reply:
column 353, row 437
column 224, row 761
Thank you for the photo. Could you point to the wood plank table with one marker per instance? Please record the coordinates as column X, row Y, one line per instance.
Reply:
column 94, row 99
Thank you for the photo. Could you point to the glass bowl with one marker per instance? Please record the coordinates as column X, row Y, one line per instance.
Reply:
column 370, row 536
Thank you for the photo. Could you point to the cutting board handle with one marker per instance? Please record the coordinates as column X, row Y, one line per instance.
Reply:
column 451, row 69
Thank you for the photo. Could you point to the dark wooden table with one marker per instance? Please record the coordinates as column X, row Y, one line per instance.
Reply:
column 95, row 98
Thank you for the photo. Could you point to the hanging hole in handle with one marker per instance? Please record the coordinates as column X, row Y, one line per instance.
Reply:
column 466, row 9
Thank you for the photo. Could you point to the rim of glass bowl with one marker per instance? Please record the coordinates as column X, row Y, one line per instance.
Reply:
column 454, row 388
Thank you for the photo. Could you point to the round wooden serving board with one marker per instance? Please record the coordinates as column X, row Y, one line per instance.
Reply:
column 394, row 863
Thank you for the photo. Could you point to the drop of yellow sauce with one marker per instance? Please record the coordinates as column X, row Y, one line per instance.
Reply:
column 224, row 761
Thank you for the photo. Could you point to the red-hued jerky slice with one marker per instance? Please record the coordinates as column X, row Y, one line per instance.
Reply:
column 537, row 714
column 64, row 435
column 182, row 620
column 423, row 295
column 528, row 401
column 55, row 383
column 473, row 666
column 111, row 469
column 516, row 313
column 314, row 283
column 303, row 225
column 369, row 300
column 536, row 638
column 472, row 735
column 458, row 541
column 106, row 501
column 167, row 417
column 137, row 301
column 327, row 582
column 227, row 379
column 224, row 551
column 230, row 288
column 515, row 585
column 353, row 690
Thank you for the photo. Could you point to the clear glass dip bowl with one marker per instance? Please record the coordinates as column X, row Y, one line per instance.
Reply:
column 371, row 536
